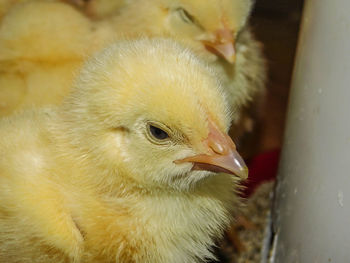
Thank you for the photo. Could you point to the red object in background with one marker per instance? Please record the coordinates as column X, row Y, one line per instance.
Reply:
column 262, row 168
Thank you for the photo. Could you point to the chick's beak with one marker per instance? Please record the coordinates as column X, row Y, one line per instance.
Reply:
column 223, row 45
column 222, row 157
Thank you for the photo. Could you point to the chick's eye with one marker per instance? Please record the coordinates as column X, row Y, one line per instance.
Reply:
column 185, row 16
column 158, row 133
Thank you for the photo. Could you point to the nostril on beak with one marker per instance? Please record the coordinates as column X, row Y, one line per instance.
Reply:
column 218, row 148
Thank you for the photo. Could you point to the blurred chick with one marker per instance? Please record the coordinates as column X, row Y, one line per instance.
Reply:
column 42, row 45
column 119, row 172
column 5, row 5
column 216, row 29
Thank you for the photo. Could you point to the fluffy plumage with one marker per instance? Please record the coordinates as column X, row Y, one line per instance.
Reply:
column 42, row 45
column 91, row 181
column 6, row 5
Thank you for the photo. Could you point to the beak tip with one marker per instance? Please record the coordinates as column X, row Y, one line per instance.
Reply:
column 243, row 174
column 226, row 50
column 231, row 59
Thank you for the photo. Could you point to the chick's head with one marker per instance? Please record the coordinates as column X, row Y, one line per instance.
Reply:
column 210, row 27
column 150, row 111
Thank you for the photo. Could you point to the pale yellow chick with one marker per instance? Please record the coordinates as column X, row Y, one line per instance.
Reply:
column 42, row 45
column 216, row 29
column 126, row 169
column 6, row 5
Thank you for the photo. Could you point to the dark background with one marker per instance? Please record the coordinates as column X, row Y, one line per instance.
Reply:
column 276, row 25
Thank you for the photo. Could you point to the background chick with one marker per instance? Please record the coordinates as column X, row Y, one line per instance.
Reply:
column 97, row 9
column 119, row 172
column 5, row 5
column 217, row 30
column 42, row 45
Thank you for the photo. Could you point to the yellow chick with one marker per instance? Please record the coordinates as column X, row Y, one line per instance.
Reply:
column 5, row 5
column 216, row 29
column 134, row 166
column 42, row 45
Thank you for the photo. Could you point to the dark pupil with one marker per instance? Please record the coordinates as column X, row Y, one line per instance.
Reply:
column 158, row 133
